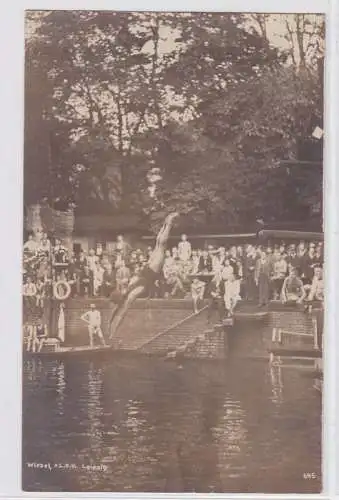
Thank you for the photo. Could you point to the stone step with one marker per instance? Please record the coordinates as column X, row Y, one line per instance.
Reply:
column 140, row 326
column 190, row 329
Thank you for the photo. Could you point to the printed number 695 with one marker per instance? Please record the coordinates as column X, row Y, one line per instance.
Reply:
column 310, row 475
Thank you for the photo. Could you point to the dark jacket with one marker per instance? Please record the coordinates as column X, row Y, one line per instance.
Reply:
column 109, row 278
column 214, row 288
column 205, row 264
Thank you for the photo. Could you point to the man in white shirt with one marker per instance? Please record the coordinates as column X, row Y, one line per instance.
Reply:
column 30, row 245
column 29, row 294
column 317, row 288
column 93, row 320
column 92, row 260
column 44, row 245
column 29, row 288
column 184, row 248
column 98, row 277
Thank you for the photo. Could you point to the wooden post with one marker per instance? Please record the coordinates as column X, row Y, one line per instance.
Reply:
column 274, row 335
column 315, row 333
column 280, row 336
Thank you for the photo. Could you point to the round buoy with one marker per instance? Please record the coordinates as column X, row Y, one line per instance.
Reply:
column 61, row 290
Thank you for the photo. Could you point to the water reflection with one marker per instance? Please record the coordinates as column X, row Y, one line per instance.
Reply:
column 276, row 376
column 59, row 372
column 231, row 438
column 94, row 409
column 210, row 427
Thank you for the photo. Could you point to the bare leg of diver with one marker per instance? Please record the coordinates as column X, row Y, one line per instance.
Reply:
column 155, row 264
column 156, row 259
column 122, row 309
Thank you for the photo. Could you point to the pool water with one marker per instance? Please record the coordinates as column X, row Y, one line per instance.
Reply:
column 140, row 424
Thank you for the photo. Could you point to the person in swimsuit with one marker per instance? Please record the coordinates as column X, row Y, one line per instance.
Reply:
column 41, row 334
column 141, row 284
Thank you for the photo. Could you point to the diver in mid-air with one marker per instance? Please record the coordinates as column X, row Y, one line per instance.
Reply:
column 140, row 285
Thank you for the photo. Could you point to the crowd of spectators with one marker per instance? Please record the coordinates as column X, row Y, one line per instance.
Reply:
column 225, row 275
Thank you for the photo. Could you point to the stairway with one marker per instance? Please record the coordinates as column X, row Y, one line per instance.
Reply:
column 141, row 325
column 183, row 331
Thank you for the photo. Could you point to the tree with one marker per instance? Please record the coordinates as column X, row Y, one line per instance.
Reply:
column 225, row 166
column 206, row 97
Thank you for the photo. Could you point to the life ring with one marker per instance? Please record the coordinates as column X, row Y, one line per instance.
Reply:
column 61, row 290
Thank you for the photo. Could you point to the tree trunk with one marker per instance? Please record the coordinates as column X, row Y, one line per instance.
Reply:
column 300, row 39
column 155, row 57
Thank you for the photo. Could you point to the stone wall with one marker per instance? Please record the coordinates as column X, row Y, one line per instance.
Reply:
column 212, row 344
column 254, row 338
column 162, row 326
column 185, row 330
column 144, row 321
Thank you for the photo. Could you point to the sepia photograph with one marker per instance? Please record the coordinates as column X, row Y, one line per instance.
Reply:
column 173, row 252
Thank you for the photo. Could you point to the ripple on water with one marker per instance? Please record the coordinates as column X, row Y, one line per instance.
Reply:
column 206, row 428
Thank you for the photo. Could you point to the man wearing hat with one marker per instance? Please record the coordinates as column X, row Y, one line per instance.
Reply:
column 93, row 320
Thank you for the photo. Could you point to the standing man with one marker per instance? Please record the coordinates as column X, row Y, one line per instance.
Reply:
column 249, row 273
column 41, row 334
column 279, row 275
column 205, row 263
column 262, row 279
column 123, row 276
column 93, row 320
column 184, row 248
column 109, row 280
column 197, row 291
column 86, row 282
column 216, row 293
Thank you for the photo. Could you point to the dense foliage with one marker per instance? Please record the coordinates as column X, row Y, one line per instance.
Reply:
column 206, row 97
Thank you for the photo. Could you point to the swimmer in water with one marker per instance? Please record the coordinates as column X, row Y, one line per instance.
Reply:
column 139, row 285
